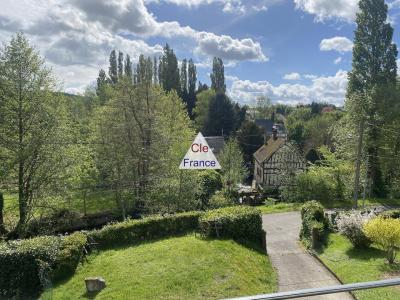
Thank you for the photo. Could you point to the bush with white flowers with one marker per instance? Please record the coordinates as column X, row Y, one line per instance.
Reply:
column 351, row 226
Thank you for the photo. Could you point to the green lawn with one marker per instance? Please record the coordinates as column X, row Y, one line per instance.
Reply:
column 353, row 265
column 176, row 268
column 279, row 207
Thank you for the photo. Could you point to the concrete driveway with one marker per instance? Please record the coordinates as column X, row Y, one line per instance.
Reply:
column 296, row 268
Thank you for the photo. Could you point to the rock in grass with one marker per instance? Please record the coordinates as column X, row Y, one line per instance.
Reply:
column 95, row 284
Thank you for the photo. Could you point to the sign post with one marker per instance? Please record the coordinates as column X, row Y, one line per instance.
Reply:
column 199, row 156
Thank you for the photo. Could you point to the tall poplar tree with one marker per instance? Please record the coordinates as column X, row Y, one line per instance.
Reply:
column 169, row 71
column 373, row 70
column 113, row 68
column 192, row 78
column 218, row 76
column 120, row 64
column 128, row 66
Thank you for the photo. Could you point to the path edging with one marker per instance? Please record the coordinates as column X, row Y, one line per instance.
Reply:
column 313, row 254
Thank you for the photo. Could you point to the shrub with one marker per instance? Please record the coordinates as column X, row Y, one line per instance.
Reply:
column 29, row 265
column 313, row 225
column 386, row 233
column 351, row 226
column 208, row 182
column 134, row 231
column 219, row 199
column 236, row 222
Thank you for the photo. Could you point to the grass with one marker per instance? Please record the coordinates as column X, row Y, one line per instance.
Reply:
column 176, row 268
column 357, row 265
column 279, row 207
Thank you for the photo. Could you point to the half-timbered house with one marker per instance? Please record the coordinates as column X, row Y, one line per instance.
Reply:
column 275, row 161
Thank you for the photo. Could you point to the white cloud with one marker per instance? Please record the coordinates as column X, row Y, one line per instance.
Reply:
column 344, row 10
column 337, row 60
column 229, row 48
column 240, row 7
column 331, row 89
column 338, row 43
column 292, row 76
column 310, row 76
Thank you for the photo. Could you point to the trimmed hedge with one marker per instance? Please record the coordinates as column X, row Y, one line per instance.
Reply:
column 134, row 231
column 313, row 225
column 28, row 266
column 236, row 222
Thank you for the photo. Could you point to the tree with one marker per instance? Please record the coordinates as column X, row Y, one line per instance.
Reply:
column 120, row 64
column 168, row 70
column 192, row 78
column 232, row 164
column 221, row 117
column 373, row 68
column 31, row 124
column 128, row 67
column 101, row 86
column 184, row 81
column 250, row 138
column 201, row 110
column 263, row 107
column 113, row 68
column 218, row 76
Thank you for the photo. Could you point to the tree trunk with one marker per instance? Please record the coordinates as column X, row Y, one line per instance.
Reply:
column 358, row 163
column 2, row 228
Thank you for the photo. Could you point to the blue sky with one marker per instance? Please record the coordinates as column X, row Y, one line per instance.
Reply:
column 293, row 51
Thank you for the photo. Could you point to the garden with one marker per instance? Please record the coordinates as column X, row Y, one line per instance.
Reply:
column 357, row 246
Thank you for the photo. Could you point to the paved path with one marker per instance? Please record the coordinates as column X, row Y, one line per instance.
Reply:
column 296, row 268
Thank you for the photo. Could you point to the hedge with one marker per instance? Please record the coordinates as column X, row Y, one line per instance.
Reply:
column 28, row 266
column 237, row 222
column 313, row 225
column 134, row 231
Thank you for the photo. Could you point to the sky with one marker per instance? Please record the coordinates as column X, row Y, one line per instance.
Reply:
column 293, row 51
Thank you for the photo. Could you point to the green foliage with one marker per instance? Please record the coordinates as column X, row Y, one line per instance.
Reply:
column 393, row 213
column 218, row 76
column 313, row 224
column 29, row 265
column 236, row 222
column 208, row 182
column 221, row 116
column 232, row 164
column 250, row 138
column 329, row 180
column 351, row 226
column 219, row 200
column 202, row 108
column 131, row 232
column 386, row 233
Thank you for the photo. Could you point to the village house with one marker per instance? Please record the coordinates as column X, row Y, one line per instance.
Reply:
column 277, row 159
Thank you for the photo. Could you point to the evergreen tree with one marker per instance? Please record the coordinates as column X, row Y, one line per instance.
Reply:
column 120, row 64
column 218, row 76
column 192, row 78
column 373, row 70
column 128, row 66
column 113, row 68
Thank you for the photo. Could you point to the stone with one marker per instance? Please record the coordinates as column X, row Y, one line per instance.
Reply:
column 95, row 284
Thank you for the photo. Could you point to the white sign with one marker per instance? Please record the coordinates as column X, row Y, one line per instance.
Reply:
column 199, row 156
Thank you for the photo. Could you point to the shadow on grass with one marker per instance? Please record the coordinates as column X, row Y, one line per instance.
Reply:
column 365, row 253
column 90, row 295
column 390, row 270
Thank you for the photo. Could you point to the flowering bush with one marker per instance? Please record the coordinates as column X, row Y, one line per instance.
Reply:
column 386, row 233
column 351, row 226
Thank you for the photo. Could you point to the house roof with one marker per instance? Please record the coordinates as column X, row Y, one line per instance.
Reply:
column 266, row 151
column 216, row 143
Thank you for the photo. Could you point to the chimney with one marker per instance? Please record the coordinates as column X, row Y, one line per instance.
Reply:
column 274, row 132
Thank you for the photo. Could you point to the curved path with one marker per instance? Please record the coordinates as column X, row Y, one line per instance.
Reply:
column 296, row 268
